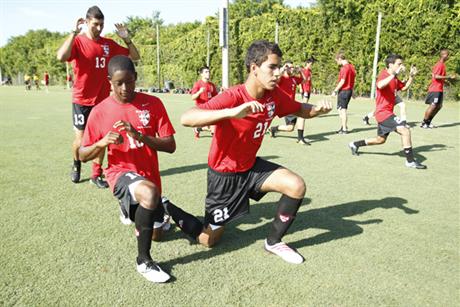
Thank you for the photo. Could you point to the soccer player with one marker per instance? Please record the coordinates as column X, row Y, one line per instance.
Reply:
column 134, row 127
column 46, row 80
column 387, row 86
column 242, row 114
column 344, row 89
column 90, row 54
column 288, row 81
column 202, row 91
column 306, row 92
column 402, row 111
column 435, row 90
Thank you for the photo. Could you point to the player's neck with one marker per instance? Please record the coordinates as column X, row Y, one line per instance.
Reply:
column 254, row 89
column 91, row 37
column 205, row 80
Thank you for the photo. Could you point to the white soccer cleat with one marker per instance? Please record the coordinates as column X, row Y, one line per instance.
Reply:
column 124, row 219
column 415, row 164
column 285, row 252
column 152, row 272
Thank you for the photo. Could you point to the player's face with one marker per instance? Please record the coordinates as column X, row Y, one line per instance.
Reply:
column 445, row 55
column 123, row 85
column 95, row 26
column 206, row 74
column 268, row 73
column 398, row 63
column 289, row 67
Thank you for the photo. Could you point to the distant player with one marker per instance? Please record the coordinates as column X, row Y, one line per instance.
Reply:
column 242, row 114
column 344, row 89
column 306, row 87
column 46, row 80
column 203, row 90
column 90, row 54
column 290, row 78
column 387, row 86
column 435, row 91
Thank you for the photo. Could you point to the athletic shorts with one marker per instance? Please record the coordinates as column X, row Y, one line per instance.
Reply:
column 80, row 115
column 306, row 95
column 343, row 98
column 398, row 99
column 229, row 193
column 434, row 98
column 290, row 119
column 389, row 125
column 124, row 192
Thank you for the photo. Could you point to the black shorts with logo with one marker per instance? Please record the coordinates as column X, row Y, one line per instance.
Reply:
column 434, row 98
column 80, row 115
column 290, row 119
column 389, row 125
column 343, row 98
column 229, row 193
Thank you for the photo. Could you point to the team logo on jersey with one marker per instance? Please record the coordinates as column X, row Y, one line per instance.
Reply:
column 144, row 116
column 106, row 50
column 270, row 106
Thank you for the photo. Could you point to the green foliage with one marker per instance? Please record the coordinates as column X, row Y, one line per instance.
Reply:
column 416, row 29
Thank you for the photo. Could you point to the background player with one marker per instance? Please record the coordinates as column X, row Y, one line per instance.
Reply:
column 242, row 114
column 306, row 87
column 344, row 89
column 387, row 86
column 90, row 54
column 202, row 91
column 436, row 89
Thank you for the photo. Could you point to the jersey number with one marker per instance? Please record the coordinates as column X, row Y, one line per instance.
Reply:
column 220, row 215
column 260, row 129
column 131, row 176
column 100, row 62
column 134, row 143
column 78, row 119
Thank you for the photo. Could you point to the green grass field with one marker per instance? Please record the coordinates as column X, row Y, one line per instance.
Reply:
column 373, row 232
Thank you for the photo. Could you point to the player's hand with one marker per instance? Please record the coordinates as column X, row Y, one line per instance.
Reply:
column 413, row 71
column 247, row 108
column 122, row 31
column 111, row 138
column 78, row 25
column 122, row 125
column 334, row 93
column 323, row 107
column 452, row 77
column 202, row 89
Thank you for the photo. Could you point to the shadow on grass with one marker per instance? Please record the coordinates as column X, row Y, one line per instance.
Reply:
column 319, row 137
column 195, row 167
column 335, row 220
column 449, row 125
column 417, row 151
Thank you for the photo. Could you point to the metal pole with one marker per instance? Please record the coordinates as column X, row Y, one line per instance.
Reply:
column 208, row 55
column 277, row 26
column 223, row 39
column 158, row 55
column 376, row 55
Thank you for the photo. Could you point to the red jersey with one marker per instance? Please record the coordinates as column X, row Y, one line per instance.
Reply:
column 46, row 78
column 148, row 116
column 386, row 97
column 90, row 60
column 236, row 141
column 306, row 85
column 348, row 73
column 437, row 85
column 209, row 92
column 288, row 84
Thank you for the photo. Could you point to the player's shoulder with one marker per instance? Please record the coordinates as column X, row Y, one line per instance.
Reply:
column 147, row 101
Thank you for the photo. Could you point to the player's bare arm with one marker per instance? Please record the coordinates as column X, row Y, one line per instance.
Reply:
column 197, row 94
column 412, row 73
column 123, row 33
column 165, row 144
column 90, row 152
column 63, row 54
column 309, row 110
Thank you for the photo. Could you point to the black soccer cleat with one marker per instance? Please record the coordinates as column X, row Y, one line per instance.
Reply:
column 99, row 182
column 272, row 132
column 366, row 120
column 75, row 173
column 415, row 164
column 354, row 149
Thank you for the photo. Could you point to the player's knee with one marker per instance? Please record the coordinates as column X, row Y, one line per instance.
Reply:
column 297, row 186
column 148, row 195
column 381, row 140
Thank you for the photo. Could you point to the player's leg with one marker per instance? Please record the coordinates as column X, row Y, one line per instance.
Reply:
column 383, row 131
column 368, row 117
column 79, row 116
column 301, row 123
column 96, row 171
column 343, row 121
column 434, row 100
column 290, row 121
column 407, row 147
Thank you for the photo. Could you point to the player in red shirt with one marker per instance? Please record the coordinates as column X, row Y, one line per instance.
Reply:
column 46, row 80
column 306, row 87
column 436, row 89
column 90, row 54
column 344, row 89
column 387, row 86
column 290, row 78
column 242, row 114
column 202, row 91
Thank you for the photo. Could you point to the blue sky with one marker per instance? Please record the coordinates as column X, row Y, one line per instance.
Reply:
column 18, row 16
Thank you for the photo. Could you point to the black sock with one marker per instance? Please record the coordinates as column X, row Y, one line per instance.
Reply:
column 199, row 129
column 287, row 209
column 77, row 163
column 360, row 143
column 274, row 128
column 144, row 229
column 189, row 224
column 409, row 154
column 299, row 134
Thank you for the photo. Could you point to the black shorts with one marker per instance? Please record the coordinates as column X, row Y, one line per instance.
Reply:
column 306, row 95
column 389, row 125
column 434, row 98
column 80, row 115
column 229, row 193
column 290, row 119
column 398, row 99
column 343, row 98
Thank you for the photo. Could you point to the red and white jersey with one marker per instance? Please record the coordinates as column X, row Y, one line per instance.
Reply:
column 306, row 85
column 437, row 85
column 386, row 97
column 90, row 59
column 236, row 141
column 209, row 92
column 348, row 73
column 148, row 116
column 289, row 84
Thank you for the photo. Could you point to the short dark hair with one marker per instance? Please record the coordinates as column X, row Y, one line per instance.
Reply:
column 200, row 70
column 94, row 12
column 121, row 62
column 259, row 51
column 310, row 60
column 391, row 59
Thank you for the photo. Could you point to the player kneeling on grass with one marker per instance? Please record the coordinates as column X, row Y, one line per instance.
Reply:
column 242, row 115
column 134, row 126
column 387, row 86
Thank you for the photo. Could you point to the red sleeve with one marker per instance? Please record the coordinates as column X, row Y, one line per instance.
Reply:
column 298, row 80
column 400, row 85
column 164, row 126
column 343, row 73
column 222, row 101
column 74, row 50
column 92, row 132
column 119, row 50
column 195, row 88
column 285, row 105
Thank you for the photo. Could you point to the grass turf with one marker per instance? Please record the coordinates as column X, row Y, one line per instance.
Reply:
column 372, row 231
